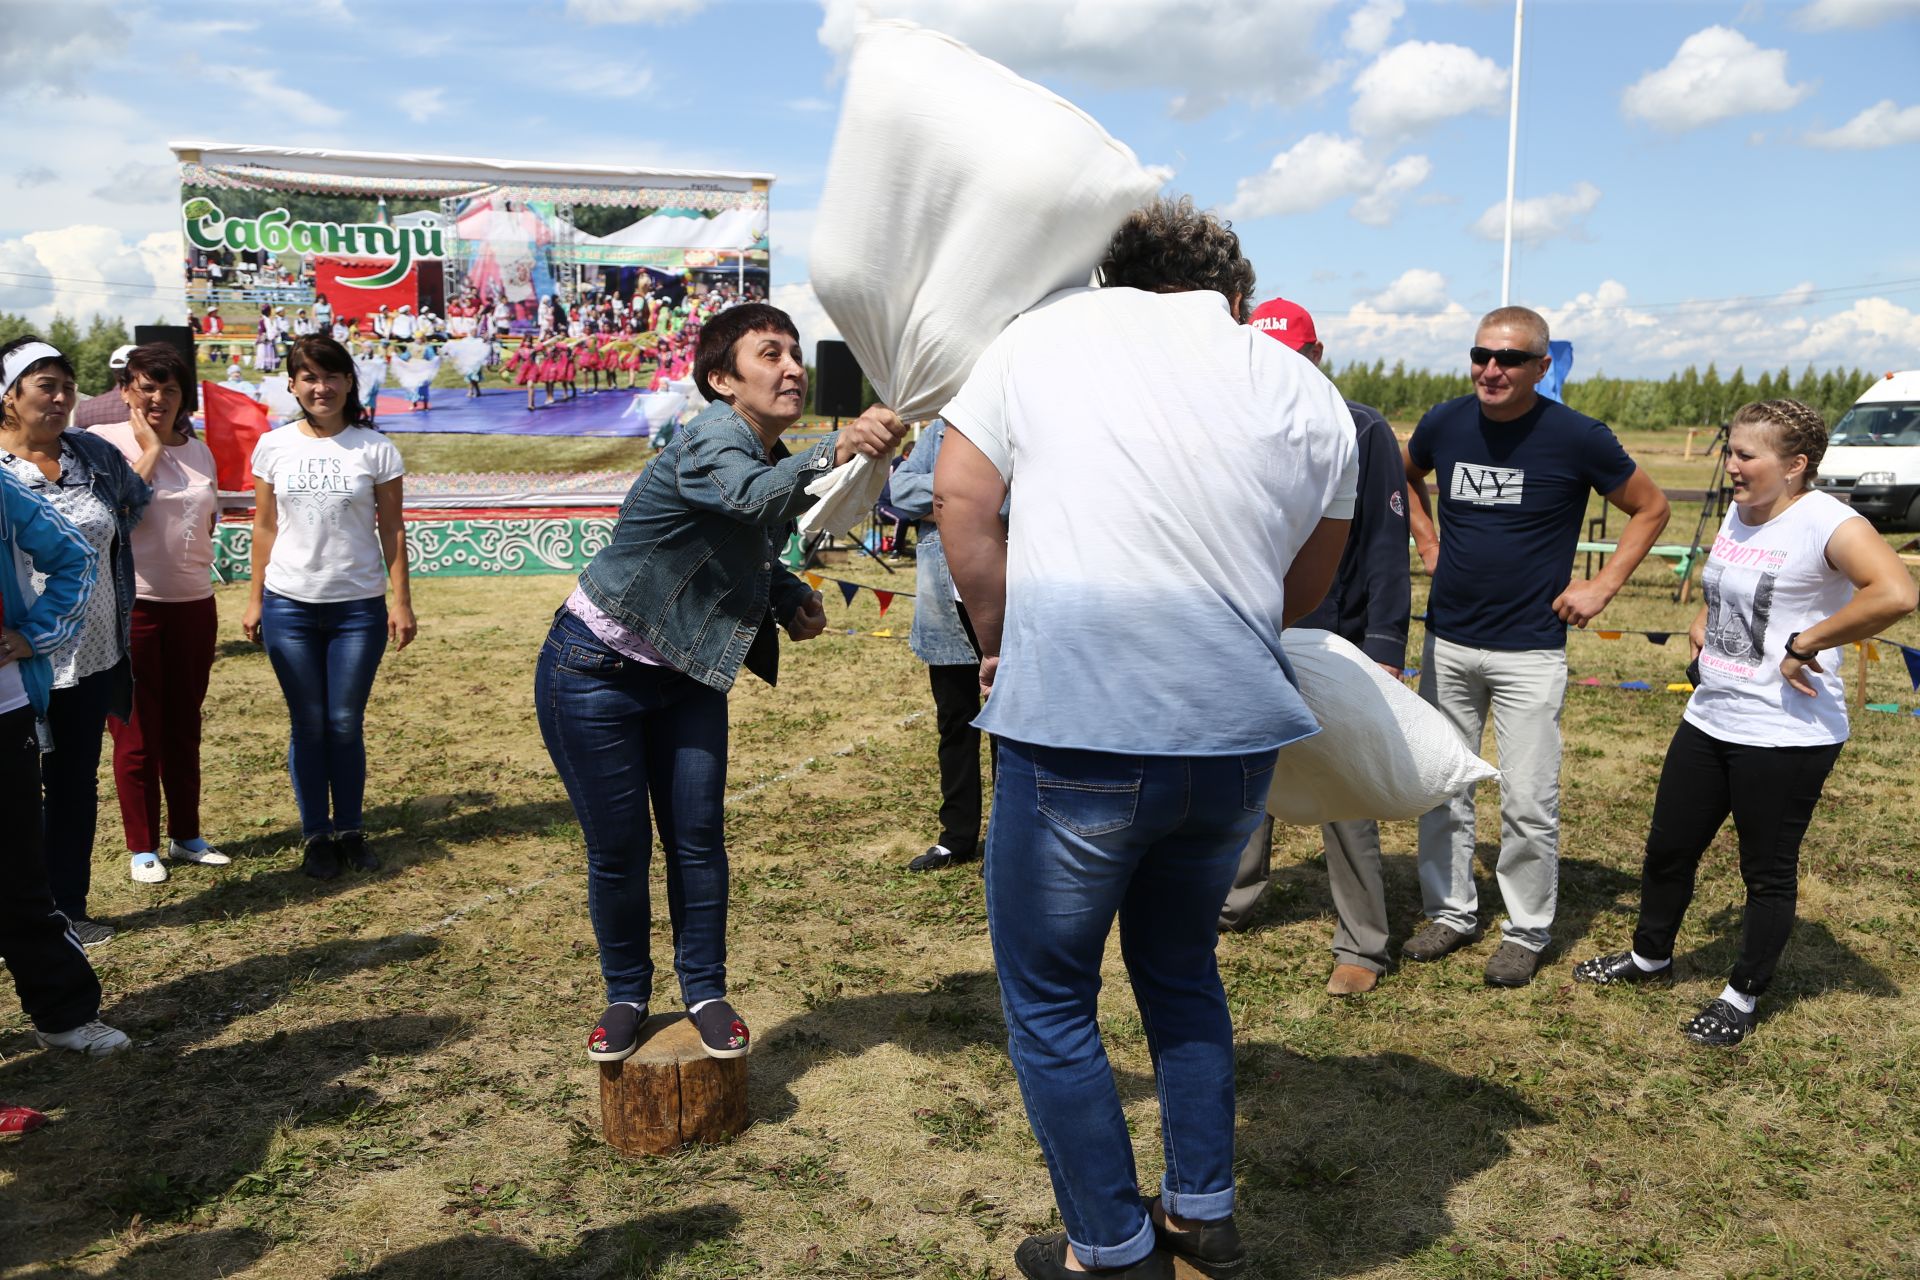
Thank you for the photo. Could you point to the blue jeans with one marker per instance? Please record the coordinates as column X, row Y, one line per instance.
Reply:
column 620, row 731
column 1076, row 838
column 325, row 657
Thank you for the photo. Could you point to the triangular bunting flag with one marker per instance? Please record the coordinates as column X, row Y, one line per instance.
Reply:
column 885, row 598
column 814, row 580
column 847, row 590
column 884, row 633
column 1873, row 651
column 1913, row 664
column 1659, row 637
column 1609, row 635
column 1641, row 685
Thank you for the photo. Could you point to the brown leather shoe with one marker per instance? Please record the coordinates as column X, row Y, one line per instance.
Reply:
column 1512, row 966
column 1435, row 940
column 1352, row 980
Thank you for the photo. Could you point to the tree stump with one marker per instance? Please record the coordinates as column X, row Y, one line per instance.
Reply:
column 670, row 1093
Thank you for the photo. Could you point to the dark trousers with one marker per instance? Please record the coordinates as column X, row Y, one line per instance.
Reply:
column 956, row 702
column 1771, row 792
column 159, row 748
column 70, row 776
column 47, row 963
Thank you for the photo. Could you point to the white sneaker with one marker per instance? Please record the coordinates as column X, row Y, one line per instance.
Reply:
column 146, row 868
column 95, row 1039
column 207, row 857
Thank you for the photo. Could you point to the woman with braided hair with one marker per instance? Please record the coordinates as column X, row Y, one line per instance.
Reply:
column 1794, row 574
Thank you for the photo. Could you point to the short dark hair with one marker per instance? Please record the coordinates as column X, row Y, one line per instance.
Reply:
column 158, row 362
column 320, row 353
column 1169, row 246
column 717, row 337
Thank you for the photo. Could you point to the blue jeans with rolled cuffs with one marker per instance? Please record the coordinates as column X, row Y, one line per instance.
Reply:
column 620, row 733
column 325, row 657
column 1076, row 839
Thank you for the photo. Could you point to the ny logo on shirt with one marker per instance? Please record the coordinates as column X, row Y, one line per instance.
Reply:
column 1487, row 486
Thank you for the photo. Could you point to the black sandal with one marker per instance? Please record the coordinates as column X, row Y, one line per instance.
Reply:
column 1720, row 1025
column 722, row 1034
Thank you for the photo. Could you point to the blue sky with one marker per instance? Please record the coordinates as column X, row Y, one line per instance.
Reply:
column 1673, row 157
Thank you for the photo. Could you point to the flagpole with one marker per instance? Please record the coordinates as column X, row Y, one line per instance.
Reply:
column 1513, row 146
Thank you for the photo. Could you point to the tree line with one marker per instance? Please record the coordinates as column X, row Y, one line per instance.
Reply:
column 1685, row 399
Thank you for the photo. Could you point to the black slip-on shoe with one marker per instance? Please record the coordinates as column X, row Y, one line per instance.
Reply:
column 354, row 851
column 321, row 859
column 722, row 1033
column 1045, row 1258
column 1616, row 969
column 1212, row 1248
column 938, row 857
column 617, row 1035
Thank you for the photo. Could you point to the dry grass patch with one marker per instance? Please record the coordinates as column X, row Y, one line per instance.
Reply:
column 382, row 1076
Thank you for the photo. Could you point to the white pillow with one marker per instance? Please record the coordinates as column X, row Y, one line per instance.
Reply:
column 1381, row 752
column 958, row 196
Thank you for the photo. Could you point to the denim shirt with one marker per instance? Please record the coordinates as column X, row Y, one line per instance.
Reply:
column 937, row 638
column 693, row 565
column 33, row 536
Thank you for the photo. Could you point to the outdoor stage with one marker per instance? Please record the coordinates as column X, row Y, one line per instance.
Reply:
column 503, row 412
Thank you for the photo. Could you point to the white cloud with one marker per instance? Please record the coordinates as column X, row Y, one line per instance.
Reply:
column 1418, row 84
column 809, row 317
column 1717, row 74
column 1825, row 15
column 279, row 99
column 1206, row 52
column 1416, row 291
column 35, row 176
column 1541, row 217
column 1371, row 25
column 422, row 105
column 1872, row 332
column 1881, row 125
column 598, row 12
column 138, row 183
column 1322, row 168
column 57, row 47
column 620, row 80
column 81, row 271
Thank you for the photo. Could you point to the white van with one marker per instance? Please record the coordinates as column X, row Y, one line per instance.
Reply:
column 1873, row 453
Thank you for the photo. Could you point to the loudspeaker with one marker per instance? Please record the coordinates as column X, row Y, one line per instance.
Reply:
column 836, row 380
column 180, row 338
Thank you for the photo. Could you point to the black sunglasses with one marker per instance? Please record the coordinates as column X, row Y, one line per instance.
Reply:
column 1505, row 357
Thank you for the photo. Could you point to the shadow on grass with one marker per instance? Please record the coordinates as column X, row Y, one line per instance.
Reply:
column 1345, row 1164
column 699, row 1233
column 160, row 1135
column 956, row 1011
column 416, row 831
column 1815, row 963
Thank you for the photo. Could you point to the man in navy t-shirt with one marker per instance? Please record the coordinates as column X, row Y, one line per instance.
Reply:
column 1514, row 471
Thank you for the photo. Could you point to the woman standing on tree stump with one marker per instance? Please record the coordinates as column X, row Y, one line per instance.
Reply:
column 631, row 686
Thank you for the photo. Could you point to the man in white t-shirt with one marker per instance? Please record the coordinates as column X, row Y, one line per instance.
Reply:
column 1182, row 489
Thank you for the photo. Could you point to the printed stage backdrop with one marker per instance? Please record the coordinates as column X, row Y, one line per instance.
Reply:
column 449, row 277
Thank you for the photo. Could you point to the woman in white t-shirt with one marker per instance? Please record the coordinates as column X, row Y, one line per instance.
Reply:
column 1794, row 574
column 328, row 540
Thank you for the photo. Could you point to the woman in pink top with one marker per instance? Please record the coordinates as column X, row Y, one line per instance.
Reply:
column 174, row 622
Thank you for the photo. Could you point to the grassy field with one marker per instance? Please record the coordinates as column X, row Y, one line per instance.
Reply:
column 382, row 1076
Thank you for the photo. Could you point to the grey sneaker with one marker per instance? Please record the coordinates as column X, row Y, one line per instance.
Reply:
column 1435, row 940
column 1512, row 966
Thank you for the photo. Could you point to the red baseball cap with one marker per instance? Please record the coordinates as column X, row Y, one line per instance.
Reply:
column 1287, row 321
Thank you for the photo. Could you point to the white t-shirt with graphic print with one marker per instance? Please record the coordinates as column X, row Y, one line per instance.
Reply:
column 326, row 548
column 1763, row 583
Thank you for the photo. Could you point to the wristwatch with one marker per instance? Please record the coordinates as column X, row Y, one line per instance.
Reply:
column 1795, row 654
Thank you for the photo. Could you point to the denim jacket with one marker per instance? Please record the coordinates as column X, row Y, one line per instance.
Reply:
column 937, row 638
column 105, row 470
column 693, row 565
column 33, row 536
